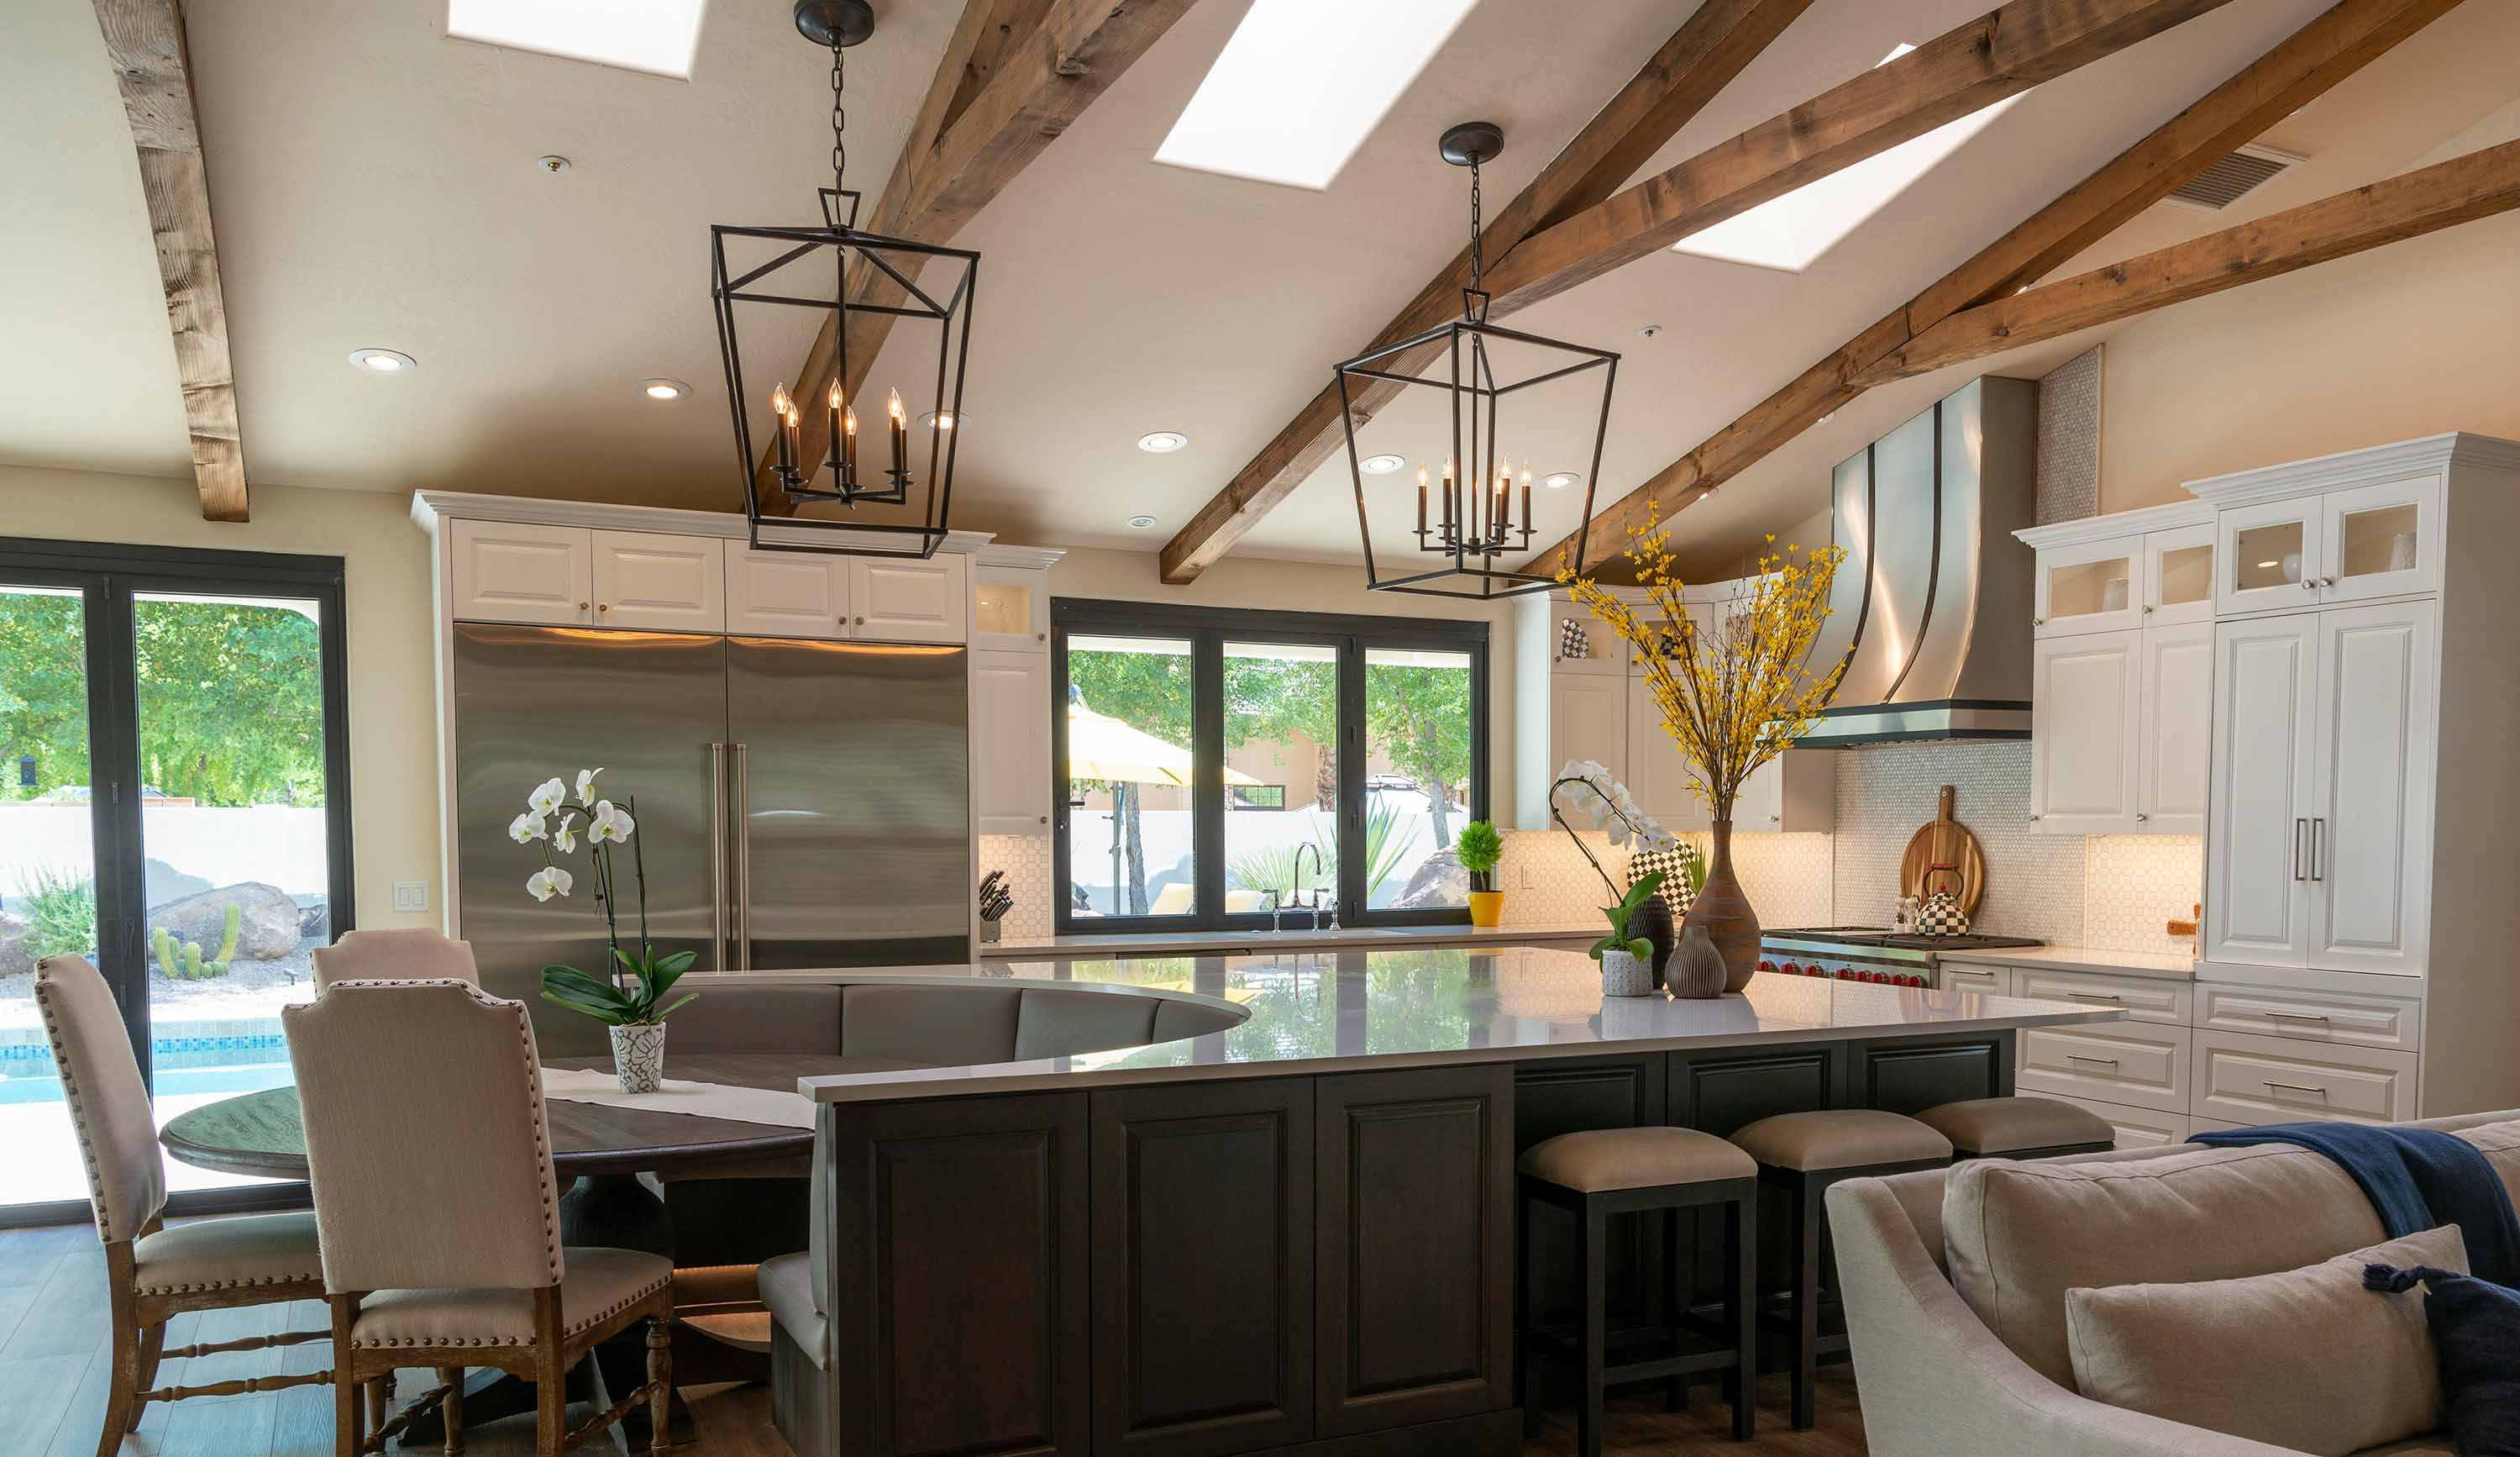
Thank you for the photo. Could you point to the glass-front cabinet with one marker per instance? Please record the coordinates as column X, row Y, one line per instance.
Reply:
column 2272, row 554
column 2090, row 587
column 2353, row 545
column 1009, row 608
column 2179, row 575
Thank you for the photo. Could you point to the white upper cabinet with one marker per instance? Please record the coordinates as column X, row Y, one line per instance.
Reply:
column 2354, row 545
column 1604, row 651
column 2271, row 556
column 504, row 572
column 786, row 594
column 2085, row 692
column 2370, row 817
column 2094, row 586
column 2258, row 887
column 1588, row 719
column 2179, row 575
column 1010, row 608
column 660, row 582
column 907, row 600
column 1792, row 792
column 1009, row 742
column 2176, row 726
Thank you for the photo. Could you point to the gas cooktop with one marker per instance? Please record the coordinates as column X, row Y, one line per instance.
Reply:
column 1874, row 936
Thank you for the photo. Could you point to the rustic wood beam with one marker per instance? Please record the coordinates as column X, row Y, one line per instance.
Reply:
column 145, row 41
column 1682, row 75
column 2334, row 45
column 2481, row 184
column 1037, row 65
column 1962, row 71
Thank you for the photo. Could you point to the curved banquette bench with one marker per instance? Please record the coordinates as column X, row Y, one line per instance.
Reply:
column 944, row 1024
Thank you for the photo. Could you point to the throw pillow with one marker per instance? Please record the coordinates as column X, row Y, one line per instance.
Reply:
column 2475, row 1326
column 2304, row 1359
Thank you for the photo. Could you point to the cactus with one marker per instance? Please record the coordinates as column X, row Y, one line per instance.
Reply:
column 191, row 955
column 165, row 945
column 182, row 961
column 230, row 921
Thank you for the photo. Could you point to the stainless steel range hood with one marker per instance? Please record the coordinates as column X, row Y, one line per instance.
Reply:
column 1932, row 604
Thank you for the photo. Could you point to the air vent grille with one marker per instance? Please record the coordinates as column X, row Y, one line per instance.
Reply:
column 2233, row 177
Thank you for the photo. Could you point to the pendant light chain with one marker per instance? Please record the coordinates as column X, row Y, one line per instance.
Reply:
column 839, row 119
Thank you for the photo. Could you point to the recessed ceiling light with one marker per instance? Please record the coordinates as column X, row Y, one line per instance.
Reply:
column 383, row 361
column 1302, row 84
column 1162, row 442
column 1142, row 522
column 663, row 389
column 656, row 37
column 1790, row 232
column 1560, row 479
column 1379, row 464
column 947, row 418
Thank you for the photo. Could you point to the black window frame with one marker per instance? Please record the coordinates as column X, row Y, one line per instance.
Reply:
column 1208, row 629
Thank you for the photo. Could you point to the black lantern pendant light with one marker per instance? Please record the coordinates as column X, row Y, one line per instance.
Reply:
column 1475, row 515
column 923, row 287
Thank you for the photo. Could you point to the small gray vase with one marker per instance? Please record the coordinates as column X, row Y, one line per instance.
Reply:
column 1625, row 976
column 1697, row 971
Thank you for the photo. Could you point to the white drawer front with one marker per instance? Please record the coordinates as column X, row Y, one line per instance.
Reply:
column 2246, row 1078
column 2144, row 999
column 2136, row 1127
column 1988, row 980
column 2311, row 1015
column 2135, row 1064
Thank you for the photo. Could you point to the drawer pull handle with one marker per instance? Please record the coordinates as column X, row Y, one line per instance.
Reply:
column 2297, row 1087
column 2095, row 996
column 2076, row 1057
column 2297, row 1016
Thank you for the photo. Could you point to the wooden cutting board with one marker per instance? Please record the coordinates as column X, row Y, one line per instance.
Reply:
column 1944, row 857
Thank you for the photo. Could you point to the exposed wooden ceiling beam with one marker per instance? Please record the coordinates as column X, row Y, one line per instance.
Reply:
column 1965, row 69
column 1016, row 75
column 145, row 40
column 1699, row 58
column 2339, row 42
column 2481, row 184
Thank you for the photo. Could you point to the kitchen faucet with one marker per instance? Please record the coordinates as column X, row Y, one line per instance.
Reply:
column 1295, row 887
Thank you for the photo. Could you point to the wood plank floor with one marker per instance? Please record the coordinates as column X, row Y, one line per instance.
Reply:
column 55, row 1355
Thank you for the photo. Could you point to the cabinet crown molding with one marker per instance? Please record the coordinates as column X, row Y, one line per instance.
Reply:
column 2117, row 524
column 428, row 509
column 2351, row 468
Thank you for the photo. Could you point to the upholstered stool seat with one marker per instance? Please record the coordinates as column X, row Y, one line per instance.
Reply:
column 1601, row 1173
column 2019, row 1127
column 788, row 1288
column 1598, row 1159
column 1839, row 1138
column 234, row 1253
column 596, row 1286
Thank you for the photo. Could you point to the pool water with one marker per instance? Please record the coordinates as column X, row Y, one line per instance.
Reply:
column 215, row 1066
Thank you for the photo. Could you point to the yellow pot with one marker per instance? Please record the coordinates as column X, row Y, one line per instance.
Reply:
column 1487, row 907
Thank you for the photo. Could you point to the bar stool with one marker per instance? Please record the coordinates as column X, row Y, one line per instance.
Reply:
column 1605, row 1171
column 2019, row 1128
column 1801, row 1155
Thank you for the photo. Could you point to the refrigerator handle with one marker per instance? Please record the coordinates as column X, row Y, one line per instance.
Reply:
column 739, row 846
column 718, row 950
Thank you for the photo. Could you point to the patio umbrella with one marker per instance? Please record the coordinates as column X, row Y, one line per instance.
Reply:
column 1101, row 747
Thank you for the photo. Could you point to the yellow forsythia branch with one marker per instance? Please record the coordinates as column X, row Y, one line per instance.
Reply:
column 1734, row 692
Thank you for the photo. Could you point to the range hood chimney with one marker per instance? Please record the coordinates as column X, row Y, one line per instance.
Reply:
column 1932, row 605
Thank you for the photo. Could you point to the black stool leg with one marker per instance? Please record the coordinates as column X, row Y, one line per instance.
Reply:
column 1679, row 1225
column 1806, row 1307
column 1597, row 1300
column 1741, row 1306
column 1534, row 1369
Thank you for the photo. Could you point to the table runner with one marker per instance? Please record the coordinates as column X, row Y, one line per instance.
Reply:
column 708, row 1100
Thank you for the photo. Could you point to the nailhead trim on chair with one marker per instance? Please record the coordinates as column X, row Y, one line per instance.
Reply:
column 79, row 1117
column 591, row 1321
column 188, row 1290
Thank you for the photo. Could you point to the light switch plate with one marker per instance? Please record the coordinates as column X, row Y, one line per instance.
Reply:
column 1530, row 882
column 411, row 895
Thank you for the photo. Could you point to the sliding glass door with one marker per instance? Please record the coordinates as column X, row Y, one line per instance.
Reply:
column 176, row 809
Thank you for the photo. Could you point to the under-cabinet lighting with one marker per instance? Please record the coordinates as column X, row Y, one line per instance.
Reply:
column 656, row 37
column 1302, row 83
column 1789, row 233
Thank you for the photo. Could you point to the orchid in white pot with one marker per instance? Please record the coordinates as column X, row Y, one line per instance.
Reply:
column 629, row 998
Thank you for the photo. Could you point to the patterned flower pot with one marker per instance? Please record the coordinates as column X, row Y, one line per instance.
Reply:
column 1625, row 976
column 638, row 1056
column 1725, row 913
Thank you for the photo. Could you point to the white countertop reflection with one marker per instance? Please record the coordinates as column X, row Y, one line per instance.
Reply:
column 1351, row 1009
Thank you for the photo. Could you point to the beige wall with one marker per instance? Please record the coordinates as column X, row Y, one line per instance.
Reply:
column 393, row 734
column 2410, row 339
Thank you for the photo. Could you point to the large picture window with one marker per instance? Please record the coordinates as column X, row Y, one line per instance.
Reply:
column 1222, row 768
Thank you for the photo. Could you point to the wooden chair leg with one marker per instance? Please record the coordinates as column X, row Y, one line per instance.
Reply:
column 153, row 1352
column 122, row 1403
column 660, row 1383
column 349, row 1415
column 1596, row 1299
column 379, row 1400
column 450, row 1408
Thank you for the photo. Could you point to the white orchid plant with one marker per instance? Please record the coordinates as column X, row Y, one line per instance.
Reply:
column 632, row 990
column 1594, row 791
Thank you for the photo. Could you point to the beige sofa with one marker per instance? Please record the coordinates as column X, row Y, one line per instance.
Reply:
column 1955, row 1279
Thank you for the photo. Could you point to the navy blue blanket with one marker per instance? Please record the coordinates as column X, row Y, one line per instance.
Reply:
column 2416, row 1179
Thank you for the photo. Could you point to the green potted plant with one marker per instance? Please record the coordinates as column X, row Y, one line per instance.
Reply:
column 1479, row 848
column 629, row 998
column 1627, row 960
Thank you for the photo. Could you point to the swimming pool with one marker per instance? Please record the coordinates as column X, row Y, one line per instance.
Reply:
column 212, row 1064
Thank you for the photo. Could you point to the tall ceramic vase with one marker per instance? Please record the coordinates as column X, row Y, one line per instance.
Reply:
column 1725, row 914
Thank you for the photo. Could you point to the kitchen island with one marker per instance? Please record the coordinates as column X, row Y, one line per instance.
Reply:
column 1294, row 1234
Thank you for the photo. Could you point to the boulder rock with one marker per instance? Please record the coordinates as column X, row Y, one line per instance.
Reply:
column 266, row 926
column 1439, row 882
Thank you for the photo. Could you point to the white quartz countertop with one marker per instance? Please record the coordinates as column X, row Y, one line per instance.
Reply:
column 1352, row 1009
column 2081, row 959
column 1259, row 942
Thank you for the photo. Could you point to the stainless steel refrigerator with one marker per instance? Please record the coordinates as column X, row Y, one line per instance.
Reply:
column 799, row 803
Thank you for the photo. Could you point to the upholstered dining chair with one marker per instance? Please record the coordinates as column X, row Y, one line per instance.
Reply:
column 152, row 1272
column 396, row 955
column 448, row 1249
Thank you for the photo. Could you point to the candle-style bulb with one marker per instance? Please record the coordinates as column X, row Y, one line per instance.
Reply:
column 892, row 404
column 835, row 394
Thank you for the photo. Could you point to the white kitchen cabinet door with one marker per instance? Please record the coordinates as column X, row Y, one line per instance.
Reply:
column 2091, row 588
column 500, row 573
column 660, row 582
column 786, row 594
column 2084, row 694
column 2257, row 891
column 2177, row 730
column 2268, row 557
column 2179, row 575
column 2383, row 540
column 2371, row 820
column 1656, row 774
column 1794, row 791
column 1011, row 609
column 905, row 600
column 1011, row 743
column 2249, row 1079
column 1588, row 719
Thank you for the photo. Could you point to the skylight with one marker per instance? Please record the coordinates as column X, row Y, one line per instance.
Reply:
column 1791, row 231
column 657, row 36
column 1295, row 91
